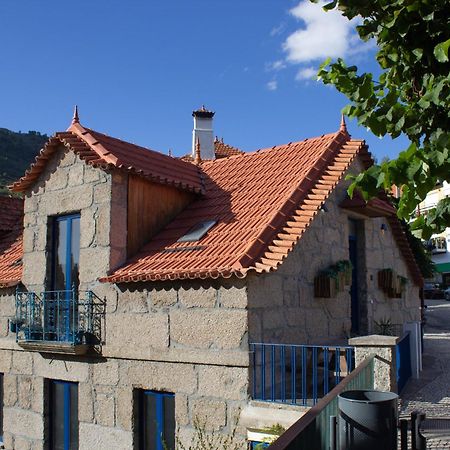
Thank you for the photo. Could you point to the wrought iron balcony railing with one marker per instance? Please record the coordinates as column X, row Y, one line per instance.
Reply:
column 65, row 321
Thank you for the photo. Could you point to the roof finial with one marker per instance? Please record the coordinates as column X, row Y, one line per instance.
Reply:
column 343, row 126
column 198, row 157
column 75, row 118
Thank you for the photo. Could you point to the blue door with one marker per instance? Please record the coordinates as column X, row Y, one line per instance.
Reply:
column 353, row 254
column 61, row 300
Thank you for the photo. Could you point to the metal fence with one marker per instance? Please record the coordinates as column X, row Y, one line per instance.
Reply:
column 73, row 317
column 298, row 374
column 403, row 358
column 313, row 431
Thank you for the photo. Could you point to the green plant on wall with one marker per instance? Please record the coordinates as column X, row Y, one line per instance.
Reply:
column 384, row 326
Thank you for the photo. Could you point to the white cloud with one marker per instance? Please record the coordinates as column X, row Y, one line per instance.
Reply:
column 276, row 65
column 306, row 73
column 323, row 34
column 278, row 29
column 272, row 85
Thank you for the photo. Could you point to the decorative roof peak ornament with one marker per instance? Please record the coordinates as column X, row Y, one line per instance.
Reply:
column 75, row 118
column 343, row 126
column 198, row 156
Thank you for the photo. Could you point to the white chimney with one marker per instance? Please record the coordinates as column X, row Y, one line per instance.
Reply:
column 203, row 131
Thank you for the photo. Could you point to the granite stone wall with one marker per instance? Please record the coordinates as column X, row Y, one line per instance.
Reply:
column 190, row 338
column 282, row 306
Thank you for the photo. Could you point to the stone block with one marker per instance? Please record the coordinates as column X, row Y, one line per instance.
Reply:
column 21, row 443
column 265, row 290
column 213, row 328
column 60, row 369
column 30, row 203
column 103, row 438
column 103, row 225
column 132, row 335
column 25, row 391
column 105, row 409
column 209, row 413
column 57, row 180
column 163, row 297
column 88, row 227
column 197, row 297
column 34, row 268
column 22, row 363
column 229, row 383
column 94, row 263
column 8, row 440
column 37, row 395
column 102, row 193
column 169, row 377
column 106, row 372
column 67, row 200
column 5, row 360
column 233, row 297
column 91, row 174
column 181, row 409
column 124, row 408
column 68, row 158
column 85, row 403
column 38, row 445
column 76, row 174
column 28, row 239
column 133, row 301
column 23, row 423
column 10, row 394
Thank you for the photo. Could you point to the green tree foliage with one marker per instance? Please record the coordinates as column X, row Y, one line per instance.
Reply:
column 17, row 152
column 411, row 97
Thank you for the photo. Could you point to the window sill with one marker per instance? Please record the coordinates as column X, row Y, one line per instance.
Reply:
column 55, row 347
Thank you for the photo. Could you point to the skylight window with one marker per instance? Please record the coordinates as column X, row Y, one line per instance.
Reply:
column 198, row 231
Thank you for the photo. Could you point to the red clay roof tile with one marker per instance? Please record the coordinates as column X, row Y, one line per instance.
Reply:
column 11, row 226
column 104, row 151
column 251, row 196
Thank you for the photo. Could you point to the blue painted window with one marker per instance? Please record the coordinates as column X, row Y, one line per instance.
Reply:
column 63, row 415
column 65, row 252
column 155, row 420
column 1, row 407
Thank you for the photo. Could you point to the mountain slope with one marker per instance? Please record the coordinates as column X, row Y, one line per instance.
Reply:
column 17, row 152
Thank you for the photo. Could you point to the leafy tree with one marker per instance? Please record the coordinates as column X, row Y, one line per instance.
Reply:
column 411, row 97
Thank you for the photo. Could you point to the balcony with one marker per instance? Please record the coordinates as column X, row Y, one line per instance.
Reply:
column 68, row 322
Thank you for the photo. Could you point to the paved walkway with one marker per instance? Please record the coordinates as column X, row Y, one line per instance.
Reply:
column 431, row 393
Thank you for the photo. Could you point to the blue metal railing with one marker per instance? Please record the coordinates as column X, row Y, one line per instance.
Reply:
column 298, row 374
column 403, row 358
column 72, row 317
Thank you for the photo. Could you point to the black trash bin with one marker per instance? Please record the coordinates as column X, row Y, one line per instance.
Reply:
column 368, row 420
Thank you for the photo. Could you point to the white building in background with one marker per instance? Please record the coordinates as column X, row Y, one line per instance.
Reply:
column 439, row 243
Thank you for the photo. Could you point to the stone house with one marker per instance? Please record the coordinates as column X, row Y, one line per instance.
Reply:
column 132, row 282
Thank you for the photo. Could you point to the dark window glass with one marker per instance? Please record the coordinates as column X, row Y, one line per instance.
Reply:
column 63, row 415
column 1, row 407
column 155, row 420
column 66, row 252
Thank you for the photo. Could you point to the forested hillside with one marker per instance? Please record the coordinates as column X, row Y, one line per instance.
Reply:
column 17, row 152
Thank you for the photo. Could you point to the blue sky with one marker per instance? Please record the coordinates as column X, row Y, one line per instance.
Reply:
column 138, row 68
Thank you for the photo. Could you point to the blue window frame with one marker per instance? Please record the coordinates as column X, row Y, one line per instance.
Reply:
column 155, row 420
column 60, row 308
column 65, row 252
column 1, row 407
column 63, row 415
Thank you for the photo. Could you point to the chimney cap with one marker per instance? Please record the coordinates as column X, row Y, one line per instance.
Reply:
column 203, row 112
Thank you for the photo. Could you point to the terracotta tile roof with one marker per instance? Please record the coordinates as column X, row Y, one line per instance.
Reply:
column 262, row 201
column 106, row 152
column 221, row 150
column 11, row 226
